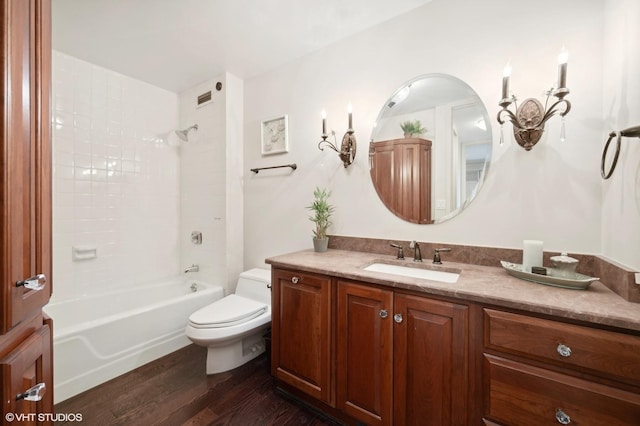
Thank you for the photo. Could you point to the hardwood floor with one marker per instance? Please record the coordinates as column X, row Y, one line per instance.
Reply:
column 175, row 390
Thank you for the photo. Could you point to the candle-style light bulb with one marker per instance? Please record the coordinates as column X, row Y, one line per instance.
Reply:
column 350, row 110
column 563, row 58
column 324, row 122
column 506, row 73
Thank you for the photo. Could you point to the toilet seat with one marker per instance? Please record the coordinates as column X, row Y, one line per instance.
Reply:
column 226, row 312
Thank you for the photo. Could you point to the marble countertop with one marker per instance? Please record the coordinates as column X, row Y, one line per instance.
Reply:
column 477, row 283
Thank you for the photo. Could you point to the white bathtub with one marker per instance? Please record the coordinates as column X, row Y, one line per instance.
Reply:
column 97, row 338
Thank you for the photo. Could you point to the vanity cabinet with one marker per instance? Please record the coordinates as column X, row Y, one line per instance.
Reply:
column 401, row 174
column 401, row 358
column 25, row 193
column 301, row 332
column 394, row 357
column 540, row 371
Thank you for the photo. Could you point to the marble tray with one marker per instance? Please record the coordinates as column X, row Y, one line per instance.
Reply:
column 580, row 282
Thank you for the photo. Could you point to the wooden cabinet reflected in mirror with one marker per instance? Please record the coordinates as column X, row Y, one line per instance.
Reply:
column 401, row 174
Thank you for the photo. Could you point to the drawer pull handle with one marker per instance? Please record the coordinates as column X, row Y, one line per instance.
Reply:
column 33, row 394
column 295, row 280
column 564, row 350
column 383, row 313
column 397, row 318
column 36, row 282
column 562, row 417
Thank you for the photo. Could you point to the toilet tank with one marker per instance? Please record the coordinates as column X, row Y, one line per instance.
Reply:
column 253, row 283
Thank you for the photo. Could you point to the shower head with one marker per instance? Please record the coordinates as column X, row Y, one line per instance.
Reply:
column 184, row 134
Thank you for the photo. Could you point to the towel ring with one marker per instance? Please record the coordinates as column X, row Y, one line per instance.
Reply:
column 631, row 132
column 608, row 174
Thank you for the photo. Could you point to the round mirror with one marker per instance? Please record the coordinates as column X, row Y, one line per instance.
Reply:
column 430, row 149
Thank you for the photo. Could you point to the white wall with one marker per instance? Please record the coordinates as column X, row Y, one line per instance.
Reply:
column 115, row 179
column 552, row 193
column 211, row 163
column 621, row 109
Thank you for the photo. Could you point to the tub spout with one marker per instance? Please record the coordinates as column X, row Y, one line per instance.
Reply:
column 192, row 268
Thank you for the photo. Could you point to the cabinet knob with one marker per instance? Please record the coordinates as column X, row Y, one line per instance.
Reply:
column 564, row 350
column 562, row 417
column 397, row 318
column 33, row 394
column 384, row 313
column 295, row 280
column 36, row 282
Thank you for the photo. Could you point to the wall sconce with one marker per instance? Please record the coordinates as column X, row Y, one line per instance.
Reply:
column 347, row 152
column 530, row 117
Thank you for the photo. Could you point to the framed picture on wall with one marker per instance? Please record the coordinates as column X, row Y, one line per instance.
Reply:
column 275, row 135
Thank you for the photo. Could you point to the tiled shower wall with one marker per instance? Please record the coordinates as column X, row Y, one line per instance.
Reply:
column 116, row 179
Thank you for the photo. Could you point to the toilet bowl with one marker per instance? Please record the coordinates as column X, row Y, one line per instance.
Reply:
column 233, row 327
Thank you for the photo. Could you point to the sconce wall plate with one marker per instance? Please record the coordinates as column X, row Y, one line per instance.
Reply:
column 529, row 116
column 348, row 149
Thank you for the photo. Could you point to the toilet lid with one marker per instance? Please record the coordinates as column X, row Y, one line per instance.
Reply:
column 228, row 311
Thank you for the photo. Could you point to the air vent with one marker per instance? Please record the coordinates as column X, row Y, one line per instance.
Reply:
column 205, row 99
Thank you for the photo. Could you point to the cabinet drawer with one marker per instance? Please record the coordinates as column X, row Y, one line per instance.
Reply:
column 608, row 352
column 519, row 394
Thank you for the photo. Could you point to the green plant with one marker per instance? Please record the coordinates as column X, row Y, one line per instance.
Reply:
column 412, row 127
column 322, row 212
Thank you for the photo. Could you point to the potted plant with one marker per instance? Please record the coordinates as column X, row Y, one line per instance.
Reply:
column 322, row 211
column 412, row 128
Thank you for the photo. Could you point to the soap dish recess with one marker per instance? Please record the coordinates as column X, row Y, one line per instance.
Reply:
column 84, row 252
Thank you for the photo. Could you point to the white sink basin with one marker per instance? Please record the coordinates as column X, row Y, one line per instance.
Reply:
column 406, row 271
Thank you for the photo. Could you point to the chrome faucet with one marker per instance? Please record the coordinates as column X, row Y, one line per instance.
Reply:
column 417, row 254
column 192, row 268
column 436, row 255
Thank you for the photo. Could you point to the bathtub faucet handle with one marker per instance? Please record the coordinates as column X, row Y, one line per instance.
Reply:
column 192, row 268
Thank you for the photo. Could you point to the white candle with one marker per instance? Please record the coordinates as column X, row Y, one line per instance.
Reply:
column 563, row 58
column 350, row 110
column 324, row 122
column 506, row 73
column 531, row 254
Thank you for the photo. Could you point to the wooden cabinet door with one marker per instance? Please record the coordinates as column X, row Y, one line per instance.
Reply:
column 26, row 366
column 25, row 157
column 301, row 328
column 365, row 353
column 382, row 168
column 413, row 165
column 401, row 174
column 430, row 362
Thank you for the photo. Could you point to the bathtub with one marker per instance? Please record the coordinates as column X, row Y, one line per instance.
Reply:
column 97, row 338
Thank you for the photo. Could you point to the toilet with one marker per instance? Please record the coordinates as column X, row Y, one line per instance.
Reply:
column 233, row 327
